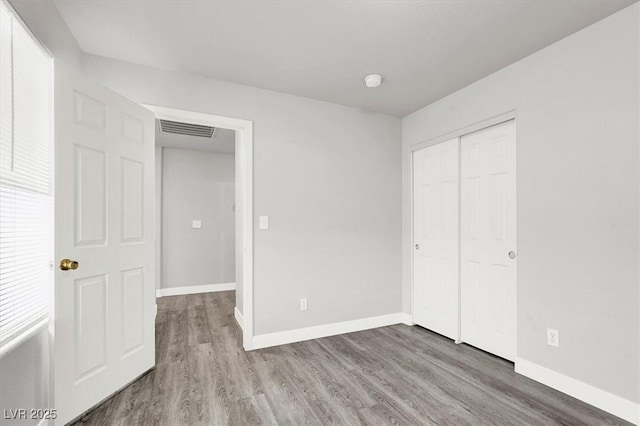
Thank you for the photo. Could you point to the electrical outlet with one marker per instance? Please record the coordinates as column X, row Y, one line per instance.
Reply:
column 553, row 337
column 303, row 304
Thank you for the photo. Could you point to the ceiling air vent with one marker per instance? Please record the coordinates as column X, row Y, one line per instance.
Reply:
column 187, row 129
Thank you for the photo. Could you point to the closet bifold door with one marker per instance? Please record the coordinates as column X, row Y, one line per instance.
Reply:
column 488, row 239
column 435, row 238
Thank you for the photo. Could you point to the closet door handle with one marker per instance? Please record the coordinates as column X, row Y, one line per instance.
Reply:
column 417, row 246
column 512, row 254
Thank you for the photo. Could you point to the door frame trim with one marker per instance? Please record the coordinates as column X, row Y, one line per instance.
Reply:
column 455, row 134
column 474, row 127
column 244, row 144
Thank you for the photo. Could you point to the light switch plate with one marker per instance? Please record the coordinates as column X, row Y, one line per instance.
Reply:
column 264, row 222
column 196, row 224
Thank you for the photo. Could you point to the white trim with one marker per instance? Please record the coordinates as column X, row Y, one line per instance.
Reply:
column 616, row 405
column 244, row 147
column 480, row 125
column 23, row 336
column 407, row 319
column 458, row 338
column 193, row 117
column 316, row 332
column 158, row 179
column 411, row 239
column 194, row 289
column 238, row 316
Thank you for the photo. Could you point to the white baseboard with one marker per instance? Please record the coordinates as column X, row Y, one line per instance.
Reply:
column 606, row 401
column 407, row 319
column 316, row 332
column 239, row 316
column 207, row 288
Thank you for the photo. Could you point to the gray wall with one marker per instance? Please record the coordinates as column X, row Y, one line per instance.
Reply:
column 577, row 143
column 197, row 185
column 327, row 176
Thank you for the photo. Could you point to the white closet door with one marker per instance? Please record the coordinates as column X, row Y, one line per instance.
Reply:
column 435, row 220
column 488, row 235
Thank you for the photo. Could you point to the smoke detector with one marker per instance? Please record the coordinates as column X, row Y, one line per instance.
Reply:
column 373, row 80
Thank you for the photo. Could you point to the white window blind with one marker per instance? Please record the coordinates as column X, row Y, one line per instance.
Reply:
column 25, row 180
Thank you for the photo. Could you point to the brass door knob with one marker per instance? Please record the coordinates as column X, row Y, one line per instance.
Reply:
column 66, row 264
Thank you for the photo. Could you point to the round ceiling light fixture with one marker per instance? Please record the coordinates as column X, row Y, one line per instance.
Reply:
column 373, row 80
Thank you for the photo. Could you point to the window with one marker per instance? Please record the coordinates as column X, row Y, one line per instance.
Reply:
column 26, row 225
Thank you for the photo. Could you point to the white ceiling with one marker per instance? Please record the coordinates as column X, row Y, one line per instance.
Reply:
column 223, row 141
column 323, row 49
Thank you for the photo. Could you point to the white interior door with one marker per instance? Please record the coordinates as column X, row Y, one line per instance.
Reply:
column 436, row 244
column 488, row 239
column 104, row 208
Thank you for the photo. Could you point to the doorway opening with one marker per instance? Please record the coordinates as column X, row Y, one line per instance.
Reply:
column 195, row 199
column 204, row 205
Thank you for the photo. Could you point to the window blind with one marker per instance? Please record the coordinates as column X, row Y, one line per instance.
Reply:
column 26, row 233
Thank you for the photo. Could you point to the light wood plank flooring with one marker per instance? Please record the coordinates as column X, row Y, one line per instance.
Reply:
column 390, row 375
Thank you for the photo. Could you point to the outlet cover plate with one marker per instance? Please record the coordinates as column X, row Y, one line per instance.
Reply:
column 553, row 337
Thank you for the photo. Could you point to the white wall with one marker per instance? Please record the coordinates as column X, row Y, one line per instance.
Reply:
column 45, row 22
column 197, row 185
column 24, row 377
column 327, row 176
column 577, row 143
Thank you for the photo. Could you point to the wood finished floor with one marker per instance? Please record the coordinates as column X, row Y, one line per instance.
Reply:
column 390, row 375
